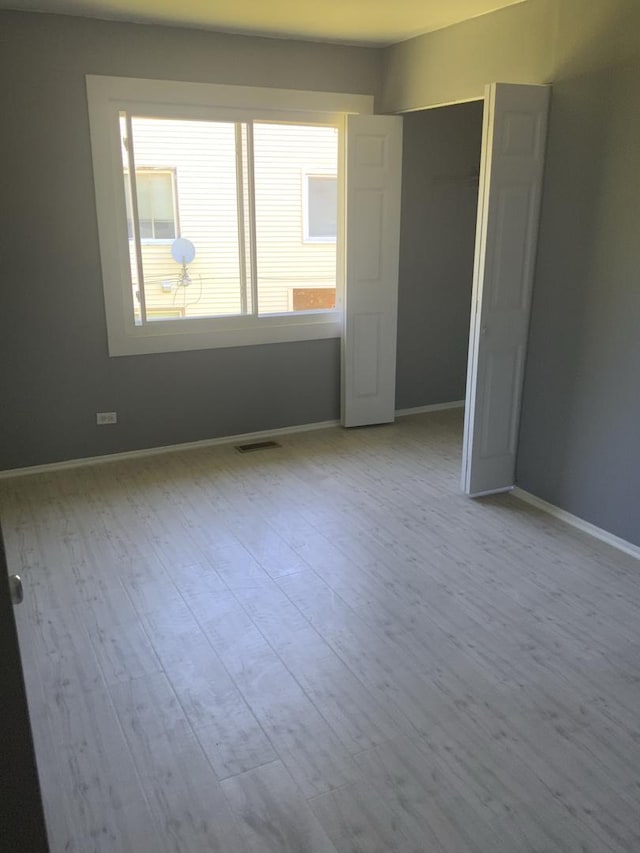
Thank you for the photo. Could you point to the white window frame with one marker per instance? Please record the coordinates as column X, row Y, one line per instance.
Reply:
column 107, row 97
column 307, row 238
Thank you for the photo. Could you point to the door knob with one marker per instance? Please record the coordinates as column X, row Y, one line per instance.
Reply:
column 16, row 589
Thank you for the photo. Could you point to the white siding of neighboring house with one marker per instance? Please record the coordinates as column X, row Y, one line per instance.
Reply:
column 202, row 155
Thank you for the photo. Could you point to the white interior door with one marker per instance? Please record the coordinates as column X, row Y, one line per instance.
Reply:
column 374, row 168
column 513, row 146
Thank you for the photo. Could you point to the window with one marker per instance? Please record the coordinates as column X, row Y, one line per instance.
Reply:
column 306, row 298
column 156, row 204
column 205, row 164
column 321, row 209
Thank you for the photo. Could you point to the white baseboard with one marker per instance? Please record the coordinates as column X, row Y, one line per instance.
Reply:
column 580, row 523
column 434, row 407
column 240, row 438
column 207, row 442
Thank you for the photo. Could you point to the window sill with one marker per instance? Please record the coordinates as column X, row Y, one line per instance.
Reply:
column 171, row 336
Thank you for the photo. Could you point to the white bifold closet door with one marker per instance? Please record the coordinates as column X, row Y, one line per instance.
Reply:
column 513, row 148
column 374, row 169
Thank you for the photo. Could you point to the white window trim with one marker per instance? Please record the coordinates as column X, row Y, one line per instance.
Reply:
column 306, row 237
column 107, row 96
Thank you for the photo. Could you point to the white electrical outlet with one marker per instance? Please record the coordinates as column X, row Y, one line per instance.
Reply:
column 106, row 418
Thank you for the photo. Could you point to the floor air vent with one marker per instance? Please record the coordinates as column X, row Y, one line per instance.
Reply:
column 256, row 445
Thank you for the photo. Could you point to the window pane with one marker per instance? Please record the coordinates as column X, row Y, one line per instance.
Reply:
column 145, row 209
column 161, row 193
column 196, row 162
column 164, row 229
column 284, row 155
column 322, row 207
column 146, row 229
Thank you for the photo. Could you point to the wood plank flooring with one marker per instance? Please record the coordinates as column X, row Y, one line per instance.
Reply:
column 323, row 648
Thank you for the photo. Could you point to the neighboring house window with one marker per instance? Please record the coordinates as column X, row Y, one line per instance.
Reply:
column 240, row 204
column 156, row 193
column 321, row 209
column 311, row 298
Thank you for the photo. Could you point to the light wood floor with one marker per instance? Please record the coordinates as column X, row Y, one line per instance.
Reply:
column 323, row 648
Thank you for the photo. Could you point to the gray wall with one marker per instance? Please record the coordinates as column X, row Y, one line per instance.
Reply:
column 55, row 369
column 441, row 152
column 580, row 434
column 513, row 45
column 580, row 437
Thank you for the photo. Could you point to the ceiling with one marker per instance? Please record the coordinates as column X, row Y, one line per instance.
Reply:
column 370, row 22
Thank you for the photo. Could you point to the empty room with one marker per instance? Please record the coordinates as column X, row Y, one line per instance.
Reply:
column 319, row 460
